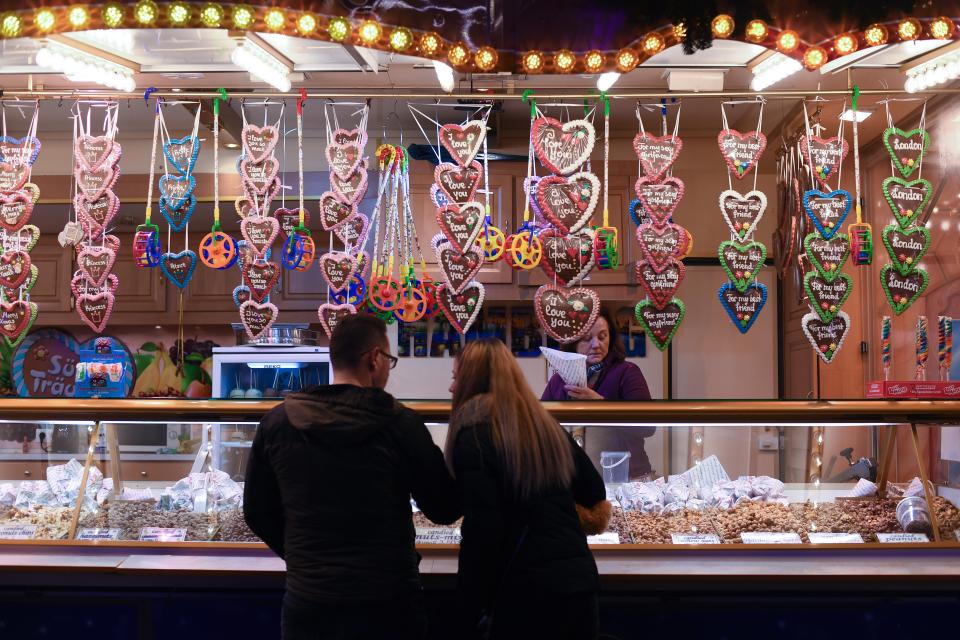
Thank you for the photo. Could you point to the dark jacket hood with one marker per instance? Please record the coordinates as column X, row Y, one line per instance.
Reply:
column 341, row 413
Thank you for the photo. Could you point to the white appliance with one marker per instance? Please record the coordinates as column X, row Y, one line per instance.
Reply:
column 268, row 371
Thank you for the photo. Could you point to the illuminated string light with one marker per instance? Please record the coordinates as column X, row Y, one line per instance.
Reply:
column 338, row 29
column 146, row 12
column 11, row 26
column 788, row 41
column 814, row 58
column 942, row 28
column 242, row 17
column 845, row 44
column 594, row 61
column 44, row 20
column 78, row 17
column 178, row 13
column 401, row 39
column 627, row 60
column 275, row 19
column 486, row 58
column 306, row 24
column 369, row 32
column 533, row 62
column 211, row 15
column 876, row 35
column 112, row 15
column 564, row 60
column 430, row 44
column 722, row 26
column 458, row 55
column 909, row 29
column 653, row 44
column 757, row 31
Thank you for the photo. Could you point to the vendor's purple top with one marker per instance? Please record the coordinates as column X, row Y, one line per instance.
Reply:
column 618, row 381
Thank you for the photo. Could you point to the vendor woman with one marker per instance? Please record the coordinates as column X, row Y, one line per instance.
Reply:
column 609, row 377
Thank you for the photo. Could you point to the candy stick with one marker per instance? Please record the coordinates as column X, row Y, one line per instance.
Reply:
column 922, row 347
column 886, row 355
column 948, row 339
column 941, row 344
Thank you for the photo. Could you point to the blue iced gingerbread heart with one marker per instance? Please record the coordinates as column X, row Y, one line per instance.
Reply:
column 179, row 267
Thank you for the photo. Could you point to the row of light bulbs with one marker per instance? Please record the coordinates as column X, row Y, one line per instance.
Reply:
column 933, row 73
column 256, row 61
column 81, row 67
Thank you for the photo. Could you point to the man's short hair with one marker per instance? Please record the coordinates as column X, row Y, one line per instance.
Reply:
column 354, row 336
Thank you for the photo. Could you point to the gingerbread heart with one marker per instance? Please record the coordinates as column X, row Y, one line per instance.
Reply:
column 659, row 198
column 656, row 154
column 351, row 189
column 438, row 197
column 176, row 190
column 562, row 147
column 333, row 212
column 661, row 324
column 827, row 211
column 741, row 151
column 906, row 247
column 459, row 269
column 661, row 286
column 93, row 152
column 638, row 214
column 13, row 176
column 259, row 176
column 827, row 255
column 463, row 141
column 741, row 262
column 94, row 182
column 13, row 293
column 95, row 309
column 660, row 244
column 182, row 153
column 258, row 142
column 178, row 267
column 241, row 293
column 33, row 190
column 25, row 239
column 261, row 277
column 95, row 263
column 331, row 314
column 458, row 183
column 902, row 290
column 14, row 268
column 353, row 232
column 906, row 148
column 289, row 220
column 112, row 242
column 97, row 213
column 826, row 337
column 744, row 306
column 80, row 284
column 742, row 212
column 461, row 309
column 566, row 314
column 568, row 203
column 337, row 268
column 257, row 318
column 345, row 157
column 259, row 233
column 825, row 155
column 906, row 199
column 461, row 224
column 825, row 297
column 258, row 203
column 15, row 210
column 178, row 217
column 19, row 150
column 16, row 318
column 567, row 259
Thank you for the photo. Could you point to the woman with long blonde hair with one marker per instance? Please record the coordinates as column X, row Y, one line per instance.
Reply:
column 529, row 496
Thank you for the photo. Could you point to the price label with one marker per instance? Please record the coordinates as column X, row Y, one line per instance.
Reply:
column 897, row 538
column 18, row 531
column 98, row 534
column 835, row 538
column 769, row 537
column 158, row 534
column 608, row 537
column 694, row 538
column 437, row 535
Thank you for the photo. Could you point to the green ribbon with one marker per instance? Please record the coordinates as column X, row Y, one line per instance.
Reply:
column 856, row 95
column 216, row 101
column 528, row 96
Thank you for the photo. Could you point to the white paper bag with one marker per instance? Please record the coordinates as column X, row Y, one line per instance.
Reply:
column 572, row 367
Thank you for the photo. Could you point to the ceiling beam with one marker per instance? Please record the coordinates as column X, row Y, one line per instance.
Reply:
column 231, row 122
column 363, row 57
column 931, row 55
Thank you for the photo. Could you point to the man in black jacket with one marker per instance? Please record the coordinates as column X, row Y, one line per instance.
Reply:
column 328, row 489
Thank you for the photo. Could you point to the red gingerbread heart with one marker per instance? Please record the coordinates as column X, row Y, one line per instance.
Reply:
column 461, row 224
column 741, row 151
column 569, row 202
column 656, row 154
column 259, row 233
column 459, row 269
column 659, row 198
column 96, row 263
column 353, row 232
column 458, row 183
column 333, row 212
column 331, row 314
column 567, row 259
column 661, row 286
column 660, row 245
column 260, row 277
column 566, row 314
column 257, row 318
column 15, row 210
column 258, row 142
column 351, row 189
column 289, row 220
column 337, row 269
column 463, row 142
column 98, row 213
column 461, row 309
column 562, row 147
column 92, row 152
column 14, row 268
column 95, row 309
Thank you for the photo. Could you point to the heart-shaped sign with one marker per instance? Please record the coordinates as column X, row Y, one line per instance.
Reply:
column 176, row 190
column 13, row 176
column 259, row 176
column 562, row 147
column 289, row 220
column 344, row 159
column 331, row 314
column 742, row 212
column 79, row 284
column 14, row 268
column 902, row 290
column 24, row 239
column 257, row 318
column 93, row 152
column 463, row 141
column 93, row 182
column 98, row 213
column 19, row 150
column 461, row 309
column 95, row 263
column 351, row 189
column 110, row 241
column 566, row 314
column 906, row 148
column 241, row 293
column 568, row 202
column 353, row 232
column 827, row 211
column 33, row 190
column 741, row 262
column 461, row 224
column 178, row 267
column 906, row 247
column 258, row 142
column 459, row 269
column 567, row 259
column 11, row 294
column 661, row 244
column 656, row 154
column 826, row 337
column 15, row 210
column 95, row 309
column 261, row 277
column 825, row 155
column 661, row 286
column 333, row 212
column 458, row 183
column 178, row 217
column 827, row 255
column 906, row 200
column 182, row 153
column 743, row 307
column 438, row 197
column 660, row 324
column 741, row 151
column 659, row 197
column 826, row 298
column 337, row 268
column 16, row 318
column 259, row 233
column 255, row 202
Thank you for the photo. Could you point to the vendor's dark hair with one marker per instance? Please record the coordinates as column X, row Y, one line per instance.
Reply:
column 616, row 350
column 353, row 337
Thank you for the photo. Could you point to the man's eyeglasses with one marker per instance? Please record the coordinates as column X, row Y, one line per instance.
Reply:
column 394, row 360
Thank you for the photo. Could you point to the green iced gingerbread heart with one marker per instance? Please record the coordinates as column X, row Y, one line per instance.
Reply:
column 906, row 209
column 660, row 324
column 903, row 155
column 741, row 261
column 902, row 290
column 905, row 250
column 826, row 298
column 827, row 255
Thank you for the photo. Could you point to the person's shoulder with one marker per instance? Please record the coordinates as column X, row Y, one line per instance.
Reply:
column 273, row 420
column 474, row 412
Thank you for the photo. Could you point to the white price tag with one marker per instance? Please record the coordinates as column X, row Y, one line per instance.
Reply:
column 902, row 537
column 769, row 537
column 695, row 538
column 98, row 534
column 835, row 538
column 158, row 534
column 18, row 531
column 437, row 535
column 608, row 537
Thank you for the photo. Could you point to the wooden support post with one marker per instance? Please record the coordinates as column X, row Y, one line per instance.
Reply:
column 926, row 486
column 91, row 446
column 887, row 444
column 116, row 469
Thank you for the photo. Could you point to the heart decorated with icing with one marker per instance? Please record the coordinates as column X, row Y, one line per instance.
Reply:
column 743, row 307
column 13, row 176
column 661, row 324
column 353, row 232
column 289, row 220
column 337, row 268
column 458, row 183
column 23, row 150
column 110, row 241
column 741, row 151
column 902, row 290
column 25, row 238
column 331, row 314
column 13, row 293
column 827, row 211
column 178, row 267
column 906, row 148
column 259, row 233
column 562, row 147
column 459, row 269
column 261, row 277
column 638, row 214
column 659, row 198
column 661, row 244
column 16, row 318
column 567, row 203
column 260, row 176
column 656, row 153
column 243, row 206
column 176, row 190
column 906, row 199
column 461, row 224
column 256, row 202
column 333, row 212
column 567, row 258
column 826, row 338
column 95, row 263
column 352, row 188
column 241, row 293
column 661, row 286
column 566, row 314
column 741, row 262
column 257, row 318
column 742, row 212
column 825, row 155
column 906, row 246
column 826, row 298
column 463, row 142
column 79, row 284
column 438, row 197
column 93, row 152
column 95, row 309
column 99, row 212
column 178, row 217
column 345, row 157
column 461, row 309
column 14, row 268
column 182, row 153
column 93, row 182
column 363, row 264
column 827, row 255
column 33, row 190
column 15, row 210
column 258, row 142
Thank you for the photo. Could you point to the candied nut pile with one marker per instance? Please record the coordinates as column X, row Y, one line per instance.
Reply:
column 133, row 515
column 233, row 528
column 53, row 523
column 750, row 517
column 422, row 521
